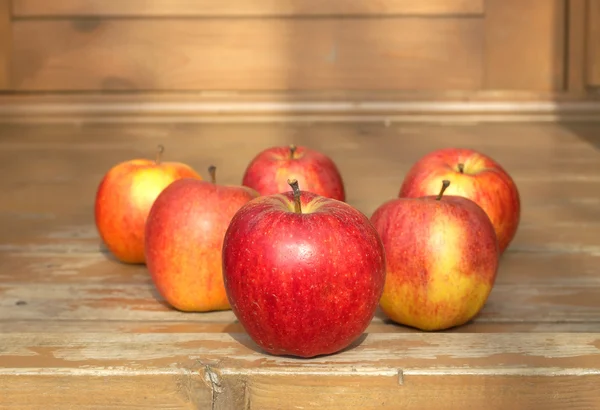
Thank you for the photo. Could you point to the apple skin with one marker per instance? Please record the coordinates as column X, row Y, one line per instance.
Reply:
column 269, row 171
column 483, row 180
column 184, row 240
column 124, row 198
column 442, row 259
column 303, row 284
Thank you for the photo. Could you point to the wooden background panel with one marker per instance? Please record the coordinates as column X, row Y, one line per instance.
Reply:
column 593, row 44
column 248, row 54
column 5, row 44
column 44, row 8
column 525, row 45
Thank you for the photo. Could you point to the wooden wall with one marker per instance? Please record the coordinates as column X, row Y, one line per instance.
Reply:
column 433, row 48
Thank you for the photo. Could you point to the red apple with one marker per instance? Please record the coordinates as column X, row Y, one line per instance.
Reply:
column 184, row 238
column 303, row 272
column 124, row 198
column 475, row 176
column 442, row 258
column 269, row 171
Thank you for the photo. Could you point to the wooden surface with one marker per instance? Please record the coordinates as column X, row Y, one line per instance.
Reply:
column 187, row 8
column 83, row 331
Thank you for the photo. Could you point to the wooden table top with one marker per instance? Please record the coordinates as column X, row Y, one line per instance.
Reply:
column 79, row 330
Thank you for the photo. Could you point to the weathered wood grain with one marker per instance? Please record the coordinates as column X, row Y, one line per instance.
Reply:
column 250, row 54
column 254, row 8
column 504, row 366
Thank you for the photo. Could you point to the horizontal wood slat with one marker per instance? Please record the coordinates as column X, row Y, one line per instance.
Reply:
column 271, row 54
column 159, row 8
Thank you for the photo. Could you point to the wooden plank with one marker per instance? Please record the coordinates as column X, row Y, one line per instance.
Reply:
column 272, row 54
column 5, row 44
column 509, row 369
column 593, row 44
column 525, row 45
column 255, row 8
column 576, row 46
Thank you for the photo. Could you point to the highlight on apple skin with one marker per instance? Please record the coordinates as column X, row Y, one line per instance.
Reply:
column 442, row 259
column 472, row 175
column 124, row 198
column 303, row 273
column 315, row 172
column 184, row 239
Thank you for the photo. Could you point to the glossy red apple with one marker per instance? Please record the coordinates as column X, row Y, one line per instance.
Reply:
column 184, row 239
column 303, row 272
column 442, row 259
column 315, row 172
column 472, row 175
column 124, row 198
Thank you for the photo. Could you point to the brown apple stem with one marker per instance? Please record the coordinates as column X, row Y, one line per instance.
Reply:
column 159, row 151
column 445, row 185
column 212, row 171
column 461, row 168
column 292, row 151
column 297, row 204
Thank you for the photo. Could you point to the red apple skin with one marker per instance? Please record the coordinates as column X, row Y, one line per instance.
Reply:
column 304, row 284
column 484, row 181
column 124, row 198
column 184, row 240
column 442, row 258
column 269, row 171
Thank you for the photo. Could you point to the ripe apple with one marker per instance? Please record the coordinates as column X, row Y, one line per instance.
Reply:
column 303, row 272
column 442, row 258
column 269, row 171
column 124, row 198
column 475, row 176
column 184, row 238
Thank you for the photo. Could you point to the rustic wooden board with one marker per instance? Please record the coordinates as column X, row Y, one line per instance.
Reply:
column 255, row 8
column 76, row 327
column 250, row 54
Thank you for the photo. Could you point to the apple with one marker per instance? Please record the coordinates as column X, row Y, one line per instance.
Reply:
column 303, row 272
column 269, row 171
column 442, row 258
column 184, row 239
column 475, row 176
column 124, row 198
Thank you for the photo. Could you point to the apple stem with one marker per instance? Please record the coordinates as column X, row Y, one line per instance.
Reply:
column 445, row 185
column 297, row 204
column 159, row 151
column 212, row 171
column 461, row 168
column 292, row 151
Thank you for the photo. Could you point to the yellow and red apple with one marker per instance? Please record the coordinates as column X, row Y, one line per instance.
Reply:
column 184, row 238
column 442, row 258
column 269, row 171
column 124, row 198
column 472, row 175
